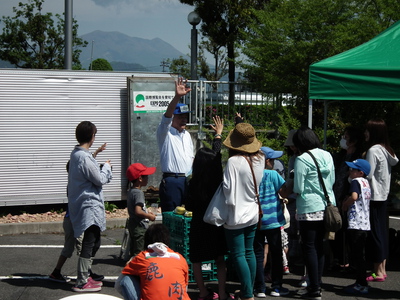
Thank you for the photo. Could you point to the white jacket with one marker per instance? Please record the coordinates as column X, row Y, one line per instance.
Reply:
column 238, row 187
column 381, row 162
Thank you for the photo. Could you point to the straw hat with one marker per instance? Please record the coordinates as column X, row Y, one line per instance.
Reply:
column 289, row 140
column 243, row 138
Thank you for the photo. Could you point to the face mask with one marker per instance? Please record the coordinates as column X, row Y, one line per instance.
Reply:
column 349, row 179
column 343, row 144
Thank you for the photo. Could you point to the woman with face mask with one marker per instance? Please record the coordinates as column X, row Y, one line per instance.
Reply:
column 351, row 145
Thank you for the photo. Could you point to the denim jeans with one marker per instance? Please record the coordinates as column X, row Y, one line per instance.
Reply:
column 240, row 244
column 128, row 286
column 312, row 238
column 274, row 238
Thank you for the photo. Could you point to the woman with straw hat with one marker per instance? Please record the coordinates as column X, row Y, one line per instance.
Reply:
column 240, row 188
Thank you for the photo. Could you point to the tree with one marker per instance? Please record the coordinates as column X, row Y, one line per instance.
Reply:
column 180, row 66
column 100, row 64
column 287, row 36
column 221, row 22
column 31, row 39
column 220, row 61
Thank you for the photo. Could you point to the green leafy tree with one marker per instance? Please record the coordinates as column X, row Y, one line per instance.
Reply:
column 287, row 36
column 179, row 66
column 100, row 64
column 221, row 22
column 35, row 40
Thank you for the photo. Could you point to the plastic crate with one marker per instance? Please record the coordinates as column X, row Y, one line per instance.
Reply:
column 209, row 271
column 180, row 245
column 178, row 225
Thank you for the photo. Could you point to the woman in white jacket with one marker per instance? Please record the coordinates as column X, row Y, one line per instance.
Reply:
column 241, row 200
column 381, row 158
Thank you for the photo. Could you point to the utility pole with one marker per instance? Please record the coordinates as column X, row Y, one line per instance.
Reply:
column 68, row 35
column 164, row 64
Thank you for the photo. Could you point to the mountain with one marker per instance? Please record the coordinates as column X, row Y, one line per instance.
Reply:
column 117, row 47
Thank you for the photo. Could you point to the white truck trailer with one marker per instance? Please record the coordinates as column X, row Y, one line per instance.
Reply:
column 39, row 110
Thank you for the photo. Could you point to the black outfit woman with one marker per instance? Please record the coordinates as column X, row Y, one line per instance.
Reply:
column 351, row 144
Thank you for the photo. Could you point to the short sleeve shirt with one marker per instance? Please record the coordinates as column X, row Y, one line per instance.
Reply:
column 270, row 203
column 358, row 213
column 136, row 198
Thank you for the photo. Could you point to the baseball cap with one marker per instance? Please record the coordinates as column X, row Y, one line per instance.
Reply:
column 270, row 153
column 137, row 169
column 360, row 164
column 181, row 108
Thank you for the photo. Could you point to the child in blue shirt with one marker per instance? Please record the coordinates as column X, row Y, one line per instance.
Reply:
column 273, row 218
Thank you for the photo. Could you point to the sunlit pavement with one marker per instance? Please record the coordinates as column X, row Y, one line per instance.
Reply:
column 27, row 259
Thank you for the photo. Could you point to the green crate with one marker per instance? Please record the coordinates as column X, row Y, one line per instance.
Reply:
column 180, row 245
column 209, row 271
column 179, row 228
column 178, row 225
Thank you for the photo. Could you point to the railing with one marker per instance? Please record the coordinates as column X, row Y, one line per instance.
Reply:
column 210, row 98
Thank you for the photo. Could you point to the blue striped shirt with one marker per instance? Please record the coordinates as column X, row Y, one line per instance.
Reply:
column 270, row 203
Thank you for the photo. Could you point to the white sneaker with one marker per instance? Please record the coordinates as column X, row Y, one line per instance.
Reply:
column 303, row 281
column 260, row 295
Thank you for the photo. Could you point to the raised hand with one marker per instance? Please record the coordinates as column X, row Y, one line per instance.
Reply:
column 181, row 88
column 219, row 125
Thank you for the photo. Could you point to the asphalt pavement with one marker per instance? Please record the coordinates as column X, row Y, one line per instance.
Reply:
column 27, row 259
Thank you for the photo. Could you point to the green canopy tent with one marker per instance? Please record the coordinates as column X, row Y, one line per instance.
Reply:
column 369, row 72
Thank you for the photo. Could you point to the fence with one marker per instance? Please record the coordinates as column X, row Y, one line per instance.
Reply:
column 210, row 98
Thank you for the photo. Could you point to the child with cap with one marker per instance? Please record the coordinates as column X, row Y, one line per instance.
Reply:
column 357, row 208
column 272, row 185
column 139, row 218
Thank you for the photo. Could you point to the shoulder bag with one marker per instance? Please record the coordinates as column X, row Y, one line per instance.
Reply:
column 332, row 218
column 260, row 212
column 217, row 211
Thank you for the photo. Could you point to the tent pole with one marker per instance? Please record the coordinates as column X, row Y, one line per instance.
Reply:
column 325, row 121
column 310, row 106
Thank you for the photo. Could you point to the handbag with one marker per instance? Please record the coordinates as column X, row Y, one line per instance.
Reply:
column 260, row 212
column 332, row 217
column 217, row 211
column 286, row 214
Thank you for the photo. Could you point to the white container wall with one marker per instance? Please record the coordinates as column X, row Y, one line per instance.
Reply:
column 39, row 111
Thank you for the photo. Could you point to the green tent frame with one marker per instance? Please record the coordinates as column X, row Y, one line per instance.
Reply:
column 369, row 72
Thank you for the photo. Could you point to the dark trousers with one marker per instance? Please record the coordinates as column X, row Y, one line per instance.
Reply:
column 312, row 238
column 378, row 245
column 274, row 239
column 91, row 242
column 357, row 239
column 172, row 192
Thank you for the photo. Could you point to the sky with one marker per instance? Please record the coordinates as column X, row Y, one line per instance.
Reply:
column 147, row 19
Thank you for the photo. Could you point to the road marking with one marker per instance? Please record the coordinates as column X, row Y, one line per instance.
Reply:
column 52, row 246
column 47, row 277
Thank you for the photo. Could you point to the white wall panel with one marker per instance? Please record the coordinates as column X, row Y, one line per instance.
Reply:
column 39, row 111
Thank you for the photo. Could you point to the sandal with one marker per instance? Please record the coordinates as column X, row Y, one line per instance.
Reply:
column 373, row 277
column 210, row 296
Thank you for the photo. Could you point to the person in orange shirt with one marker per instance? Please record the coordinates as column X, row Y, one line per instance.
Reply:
column 155, row 273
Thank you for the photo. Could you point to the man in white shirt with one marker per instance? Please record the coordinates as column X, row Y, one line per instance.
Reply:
column 176, row 150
